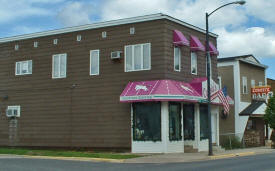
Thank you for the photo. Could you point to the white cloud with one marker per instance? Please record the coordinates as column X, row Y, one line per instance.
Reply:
column 254, row 40
column 14, row 10
column 76, row 13
column 261, row 9
column 190, row 11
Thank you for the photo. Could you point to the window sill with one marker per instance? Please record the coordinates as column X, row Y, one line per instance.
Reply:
column 138, row 70
column 23, row 74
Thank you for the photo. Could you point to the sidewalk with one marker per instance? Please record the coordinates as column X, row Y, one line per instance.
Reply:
column 161, row 158
column 190, row 157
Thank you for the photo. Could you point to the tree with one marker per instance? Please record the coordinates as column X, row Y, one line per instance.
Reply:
column 269, row 118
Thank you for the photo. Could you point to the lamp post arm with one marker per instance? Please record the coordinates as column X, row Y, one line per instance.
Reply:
column 220, row 8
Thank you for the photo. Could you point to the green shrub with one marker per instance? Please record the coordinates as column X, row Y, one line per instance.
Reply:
column 231, row 142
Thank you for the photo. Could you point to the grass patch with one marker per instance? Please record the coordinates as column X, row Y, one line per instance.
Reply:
column 66, row 153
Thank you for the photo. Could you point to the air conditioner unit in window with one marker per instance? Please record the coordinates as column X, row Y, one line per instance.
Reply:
column 12, row 113
column 116, row 55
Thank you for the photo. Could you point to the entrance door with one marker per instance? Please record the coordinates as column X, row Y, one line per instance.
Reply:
column 214, row 128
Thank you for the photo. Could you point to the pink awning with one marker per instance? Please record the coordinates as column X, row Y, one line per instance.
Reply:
column 213, row 50
column 159, row 90
column 195, row 44
column 179, row 39
column 169, row 90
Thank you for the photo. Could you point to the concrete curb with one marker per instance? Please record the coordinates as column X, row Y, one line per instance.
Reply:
column 232, row 155
column 73, row 158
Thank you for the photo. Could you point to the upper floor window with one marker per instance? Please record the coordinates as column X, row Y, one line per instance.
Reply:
column 132, row 30
column 244, row 85
column 252, row 83
column 194, row 63
column 59, row 67
column 55, row 41
column 138, row 57
column 177, row 58
column 35, row 44
column 16, row 47
column 78, row 38
column 260, row 83
column 94, row 62
column 23, row 67
column 104, row 34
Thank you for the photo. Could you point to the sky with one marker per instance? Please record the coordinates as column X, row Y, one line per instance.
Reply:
column 247, row 29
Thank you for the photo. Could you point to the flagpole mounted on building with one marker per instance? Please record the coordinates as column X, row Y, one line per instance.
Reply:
column 210, row 152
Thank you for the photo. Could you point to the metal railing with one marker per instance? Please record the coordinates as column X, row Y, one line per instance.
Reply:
column 231, row 141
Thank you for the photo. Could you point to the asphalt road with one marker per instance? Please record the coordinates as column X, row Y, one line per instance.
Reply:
column 265, row 162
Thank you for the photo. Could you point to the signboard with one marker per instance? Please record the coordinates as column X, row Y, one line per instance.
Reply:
column 214, row 87
column 261, row 92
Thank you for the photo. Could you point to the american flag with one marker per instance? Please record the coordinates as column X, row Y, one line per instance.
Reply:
column 223, row 99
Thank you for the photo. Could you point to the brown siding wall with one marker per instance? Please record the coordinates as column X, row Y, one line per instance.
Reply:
column 252, row 73
column 55, row 114
column 90, row 115
column 227, row 125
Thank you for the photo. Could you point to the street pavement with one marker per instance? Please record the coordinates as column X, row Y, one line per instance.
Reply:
column 261, row 162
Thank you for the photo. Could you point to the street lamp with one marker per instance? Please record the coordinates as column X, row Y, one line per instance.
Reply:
column 210, row 152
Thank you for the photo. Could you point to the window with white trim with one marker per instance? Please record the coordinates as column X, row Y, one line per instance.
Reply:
column 23, row 67
column 55, row 41
column 94, row 62
column 16, row 47
column 35, row 44
column 132, row 30
column 260, row 83
column 194, row 60
column 177, row 58
column 59, row 66
column 78, row 38
column 252, row 83
column 138, row 57
column 104, row 34
column 244, row 85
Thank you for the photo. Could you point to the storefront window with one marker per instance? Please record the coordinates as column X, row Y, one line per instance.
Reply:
column 147, row 122
column 188, row 122
column 174, row 122
column 203, row 122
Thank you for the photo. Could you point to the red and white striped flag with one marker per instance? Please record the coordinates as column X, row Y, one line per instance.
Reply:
column 223, row 100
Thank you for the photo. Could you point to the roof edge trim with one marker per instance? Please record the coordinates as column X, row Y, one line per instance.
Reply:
column 103, row 24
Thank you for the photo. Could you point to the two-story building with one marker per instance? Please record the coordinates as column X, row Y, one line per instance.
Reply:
column 137, row 83
column 239, row 75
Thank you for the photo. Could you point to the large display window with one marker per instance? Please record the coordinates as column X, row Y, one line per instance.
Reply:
column 188, row 122
column 175, row 122
column 147, row 121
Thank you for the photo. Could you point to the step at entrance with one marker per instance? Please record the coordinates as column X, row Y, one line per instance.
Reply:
column 190, row 149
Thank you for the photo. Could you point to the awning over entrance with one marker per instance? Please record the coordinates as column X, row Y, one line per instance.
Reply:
column 195, row 44
column 159, row 90
column 170, row 90
column 179, row 39
column 255, row 109
column 213, row 50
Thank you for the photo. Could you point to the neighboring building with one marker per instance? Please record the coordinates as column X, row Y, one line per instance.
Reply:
column 64, row 86
column 271, row 83
column 239, row 74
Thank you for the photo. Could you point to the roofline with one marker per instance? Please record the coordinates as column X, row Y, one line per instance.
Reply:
column 237, row 58
column 252, row 63
column 104, row 24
